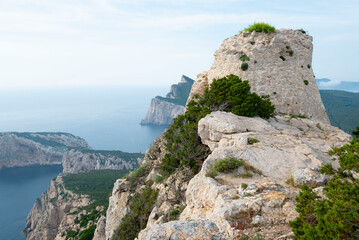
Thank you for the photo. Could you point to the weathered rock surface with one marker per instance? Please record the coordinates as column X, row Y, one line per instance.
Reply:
column 50, row 216
column 76, row 161
column 181, row 230
column 290, row 83
column 285, row 144
column 263, row 203
column 163, row 110
column 23, row 149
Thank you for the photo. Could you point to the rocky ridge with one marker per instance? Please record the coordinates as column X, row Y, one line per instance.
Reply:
column 54, row 212
column 163, row 110
column 74, row 153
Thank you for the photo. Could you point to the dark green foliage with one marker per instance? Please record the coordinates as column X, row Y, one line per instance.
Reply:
column 244, row 185
column 97, row 184
column 244, row 58
column 274, row 93
column 251, row 141
column 244, row 66
column 71, row 234
column 227, row 164
column 290, row 53
column 88, row 233
column 229, row 94
column 283, row 58
column 212, row 173
column 337, row 215
column 302, row 31
column 158, row 179
column 174, row 214
column 260, row 27
column 140, row 207
column 356, row 132
column 181, row 92
column 306, row 82
column 342, row 108
column 308, row 66
column 143, row 170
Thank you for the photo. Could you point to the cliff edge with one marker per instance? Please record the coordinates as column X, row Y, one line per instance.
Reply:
column 163, row 109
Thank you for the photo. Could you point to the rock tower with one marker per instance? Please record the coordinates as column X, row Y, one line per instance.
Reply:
column 277, row 64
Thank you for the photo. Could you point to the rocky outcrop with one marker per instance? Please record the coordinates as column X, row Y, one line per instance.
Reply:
column 74, row 153
column 258, row 203
column 76, row 161
column 163, row 110
column 279, row 65
column 54, row 212
column 178, row 230
column 23, row 149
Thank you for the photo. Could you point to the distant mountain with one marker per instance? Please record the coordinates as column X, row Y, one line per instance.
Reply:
column 327, row 84
column 342, row 108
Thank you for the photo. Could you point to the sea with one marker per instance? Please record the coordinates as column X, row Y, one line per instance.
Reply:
column 108, row 118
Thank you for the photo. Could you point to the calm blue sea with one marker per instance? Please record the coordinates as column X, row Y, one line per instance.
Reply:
column 107, row 118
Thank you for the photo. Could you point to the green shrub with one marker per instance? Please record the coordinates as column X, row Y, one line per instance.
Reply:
column 230, row 94
column 260, row 27
column 244, row 58
column 336, row 215
column 290, row 53
column 244, row 185
column 158, row 179
column 246, row 175
column 143, row 170
column 306, row 82
column 88, row 233
column 244, row 66
column 227, row 164
column 174, row 214
column 251, row 141
column 283, row 58
column 356, row 132
column 211, row 173
column 135, row 220
column 308, row 66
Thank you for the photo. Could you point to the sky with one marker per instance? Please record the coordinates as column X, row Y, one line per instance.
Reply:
column 52, row 43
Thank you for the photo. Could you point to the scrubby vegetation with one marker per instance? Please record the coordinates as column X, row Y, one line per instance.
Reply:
column 335, row 216
column 260, row 27
column 306, row 82
column 140, row 207
column 252, row 141
column 244, row 66
column 229, row 94
column 227, row 164
column 96, row 184
column 244, row 58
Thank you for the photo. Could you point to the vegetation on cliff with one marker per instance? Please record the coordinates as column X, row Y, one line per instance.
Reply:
column 260, row 27
column 229, row 94
column 336, row 215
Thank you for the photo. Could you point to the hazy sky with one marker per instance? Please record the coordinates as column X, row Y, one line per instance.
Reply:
column 153, row 42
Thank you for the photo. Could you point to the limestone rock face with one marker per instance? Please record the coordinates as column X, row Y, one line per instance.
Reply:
column 50, row 215
column 179, row 230
column 76, row 161
column 279, row 66
column 162, row 112
column 257, row 199
column 163, row 109
column 284, row 144
column 23, row 149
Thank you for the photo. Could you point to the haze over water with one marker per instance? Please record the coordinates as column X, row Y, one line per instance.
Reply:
column 107, row 118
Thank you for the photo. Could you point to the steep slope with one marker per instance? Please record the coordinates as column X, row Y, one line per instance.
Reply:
column 163, row 109
column 274, row 156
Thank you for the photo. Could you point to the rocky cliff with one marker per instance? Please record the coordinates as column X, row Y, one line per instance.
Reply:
column 74, row 153
column 163, row 109
column 22, row 149
column 275, row 155
column 54, row 212
column 277, row 64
